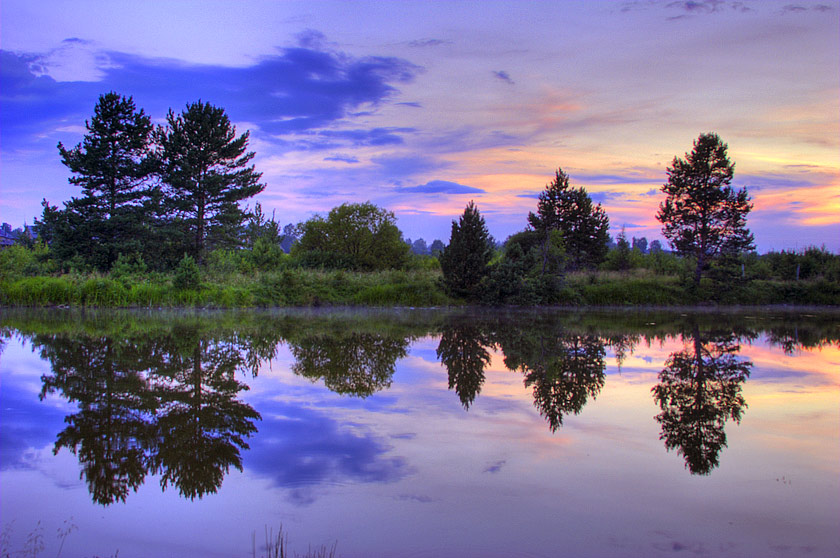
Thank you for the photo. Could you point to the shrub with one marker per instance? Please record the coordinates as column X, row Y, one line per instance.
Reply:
column 187, row 275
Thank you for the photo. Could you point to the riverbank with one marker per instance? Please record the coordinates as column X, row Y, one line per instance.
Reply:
column 419, row 288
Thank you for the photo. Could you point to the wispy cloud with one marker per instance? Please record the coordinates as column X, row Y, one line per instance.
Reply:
column 504, row 76
column 440, row 187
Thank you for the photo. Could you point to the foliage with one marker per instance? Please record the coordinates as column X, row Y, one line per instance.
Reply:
column 358, row 236
column 111, row 166
column 464, row 261
column 529, row 271
column 699, row 390
column 584, row 226
column 204, row 167
column 703, row 216
column 187, row 274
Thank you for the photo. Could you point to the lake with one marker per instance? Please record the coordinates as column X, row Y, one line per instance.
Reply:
column 420, row 433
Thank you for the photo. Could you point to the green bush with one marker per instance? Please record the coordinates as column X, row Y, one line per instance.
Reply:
column 187, row 275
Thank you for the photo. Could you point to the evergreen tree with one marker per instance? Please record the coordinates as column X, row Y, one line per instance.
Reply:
column 204, row 166
column 111, row 166
column 703, row 216
column 584, row 226
column 464, row 261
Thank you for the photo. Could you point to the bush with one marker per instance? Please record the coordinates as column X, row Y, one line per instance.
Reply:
column 187, row 275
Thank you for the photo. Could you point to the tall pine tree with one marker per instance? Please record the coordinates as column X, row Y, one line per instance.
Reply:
column 205, row 170
column 464, row 261
column 111, row 166
column 703, row 216
column 584, row 226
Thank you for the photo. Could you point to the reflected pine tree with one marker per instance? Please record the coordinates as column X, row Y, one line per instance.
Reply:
column 165, row 403
column 565, row 370
column 112, row 433
column 698, row 391
column 202, row 425
column 463, row 350
column 352, row 363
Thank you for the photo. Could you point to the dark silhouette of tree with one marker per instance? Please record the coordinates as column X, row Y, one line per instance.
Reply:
column 703, row 216
column 204, row 166
column 112, row 433
column 698, row 391
column 565, row 370
column 162, row 403
column 201, row 423
column 464, row 261
column 463, row 350
column 585, row 227
column 358, row 364
column 111, row 166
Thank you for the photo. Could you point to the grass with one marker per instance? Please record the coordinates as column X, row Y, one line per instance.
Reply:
column 420, row 287
column 277, row 546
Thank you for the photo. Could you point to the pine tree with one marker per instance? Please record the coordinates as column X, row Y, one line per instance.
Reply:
column 703, row 216
column 464, row 261
column 584, row 226
column 111, row 166
column 204, row 167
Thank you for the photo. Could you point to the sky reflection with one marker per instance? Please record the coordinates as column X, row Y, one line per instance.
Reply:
column 379, row 471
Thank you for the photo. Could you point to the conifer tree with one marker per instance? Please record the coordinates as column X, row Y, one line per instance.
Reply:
column 464, row 261
column 584, row 226
column 703, row 216
column 205, row 171
column 111, row 166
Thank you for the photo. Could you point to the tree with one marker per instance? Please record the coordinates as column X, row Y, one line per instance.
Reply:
column 703, row 216
column 698, row 391
column 570, row 210
column 464, row 261
column 436, row 249
column 204, row 166
column 353, row 235
column 111, row 165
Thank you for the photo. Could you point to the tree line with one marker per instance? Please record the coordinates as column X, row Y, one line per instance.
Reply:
column 171, row 196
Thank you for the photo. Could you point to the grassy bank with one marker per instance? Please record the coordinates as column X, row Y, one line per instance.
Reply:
column 306, row 287
column 289, row 287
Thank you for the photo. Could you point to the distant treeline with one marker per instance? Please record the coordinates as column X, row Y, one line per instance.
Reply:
column 161, row 209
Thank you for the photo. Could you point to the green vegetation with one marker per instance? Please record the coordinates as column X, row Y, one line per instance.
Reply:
column 159, row 223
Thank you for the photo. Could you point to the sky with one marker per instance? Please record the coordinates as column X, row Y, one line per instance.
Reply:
column 420, row 107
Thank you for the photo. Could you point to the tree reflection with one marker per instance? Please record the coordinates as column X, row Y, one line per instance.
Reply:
column 565, row 370
column 201, row 423
column 463, row 350
column 166, row 404
column 699, row 390
column 353, row 363
column 111, row 433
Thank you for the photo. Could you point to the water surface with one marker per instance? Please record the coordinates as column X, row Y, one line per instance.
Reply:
column 421, row 432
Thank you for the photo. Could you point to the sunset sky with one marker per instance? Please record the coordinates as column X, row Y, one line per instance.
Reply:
column 422, row 106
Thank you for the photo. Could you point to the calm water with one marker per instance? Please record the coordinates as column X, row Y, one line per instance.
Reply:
column 421, row 433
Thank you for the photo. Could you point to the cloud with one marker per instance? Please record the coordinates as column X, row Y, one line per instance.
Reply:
column 342, row 158
column 300, row 449
column 412, row 104
column 423, row 43
column 613, row 179
column 299, row 89
column 504, row 76
column 495, row 467
column 374, row 136
column 441, row 187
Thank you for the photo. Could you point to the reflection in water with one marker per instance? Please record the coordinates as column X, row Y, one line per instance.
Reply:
column 698, row 391
column 166, row 405
column 463, row 350
column 352, row 363
column 161, row 396
column 564, row 369
column 201, row 423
